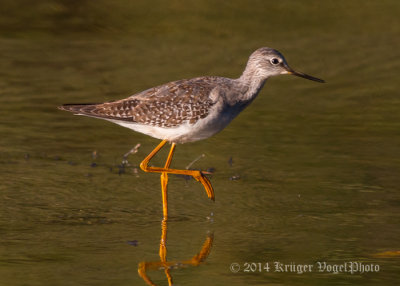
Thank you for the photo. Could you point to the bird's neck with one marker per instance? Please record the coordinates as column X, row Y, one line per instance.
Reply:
column 253, row 80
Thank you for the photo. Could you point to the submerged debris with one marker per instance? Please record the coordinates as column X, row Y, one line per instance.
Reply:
column 194, row 161
column 210, row 170
column 121, row 169
column 234, row 178
column 210, row 218
column 94, row 155
column 134, row 150
column 133, row 242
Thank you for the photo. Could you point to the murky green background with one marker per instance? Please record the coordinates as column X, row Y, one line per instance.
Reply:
column 317, row 166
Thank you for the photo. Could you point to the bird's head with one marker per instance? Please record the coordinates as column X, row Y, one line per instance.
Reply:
column 267, row 62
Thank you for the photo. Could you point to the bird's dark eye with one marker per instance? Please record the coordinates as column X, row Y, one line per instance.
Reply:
column 274, row 61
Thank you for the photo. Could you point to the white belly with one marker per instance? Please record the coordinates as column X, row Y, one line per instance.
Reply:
column 204, row 128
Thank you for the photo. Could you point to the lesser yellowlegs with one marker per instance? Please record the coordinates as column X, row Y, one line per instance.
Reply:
column 189, row 110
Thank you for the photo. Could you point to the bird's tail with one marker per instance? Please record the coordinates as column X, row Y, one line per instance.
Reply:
column 78, row 108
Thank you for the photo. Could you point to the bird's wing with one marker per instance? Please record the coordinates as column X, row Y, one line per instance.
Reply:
column 167, row 105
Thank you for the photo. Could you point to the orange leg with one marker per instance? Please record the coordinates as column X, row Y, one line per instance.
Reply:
column 164, row 182
column 197, row 175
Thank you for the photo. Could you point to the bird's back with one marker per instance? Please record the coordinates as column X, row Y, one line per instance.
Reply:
column 167, row 105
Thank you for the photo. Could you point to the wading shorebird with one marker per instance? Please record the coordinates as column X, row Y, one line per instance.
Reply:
column 189, row 110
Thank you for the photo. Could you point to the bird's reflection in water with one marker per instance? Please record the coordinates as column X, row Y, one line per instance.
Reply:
column 167, row 266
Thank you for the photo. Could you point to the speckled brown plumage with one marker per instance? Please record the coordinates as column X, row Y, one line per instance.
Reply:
column 167, row 105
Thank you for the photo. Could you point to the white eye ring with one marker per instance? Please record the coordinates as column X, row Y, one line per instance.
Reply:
column 274, row 61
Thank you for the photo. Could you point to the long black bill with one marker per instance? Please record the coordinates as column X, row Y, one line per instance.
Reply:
column 306, row 76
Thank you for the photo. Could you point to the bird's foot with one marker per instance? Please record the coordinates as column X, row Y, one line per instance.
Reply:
column 200, row 177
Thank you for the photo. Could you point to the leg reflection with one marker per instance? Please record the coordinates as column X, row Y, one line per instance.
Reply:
column 167, row 266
